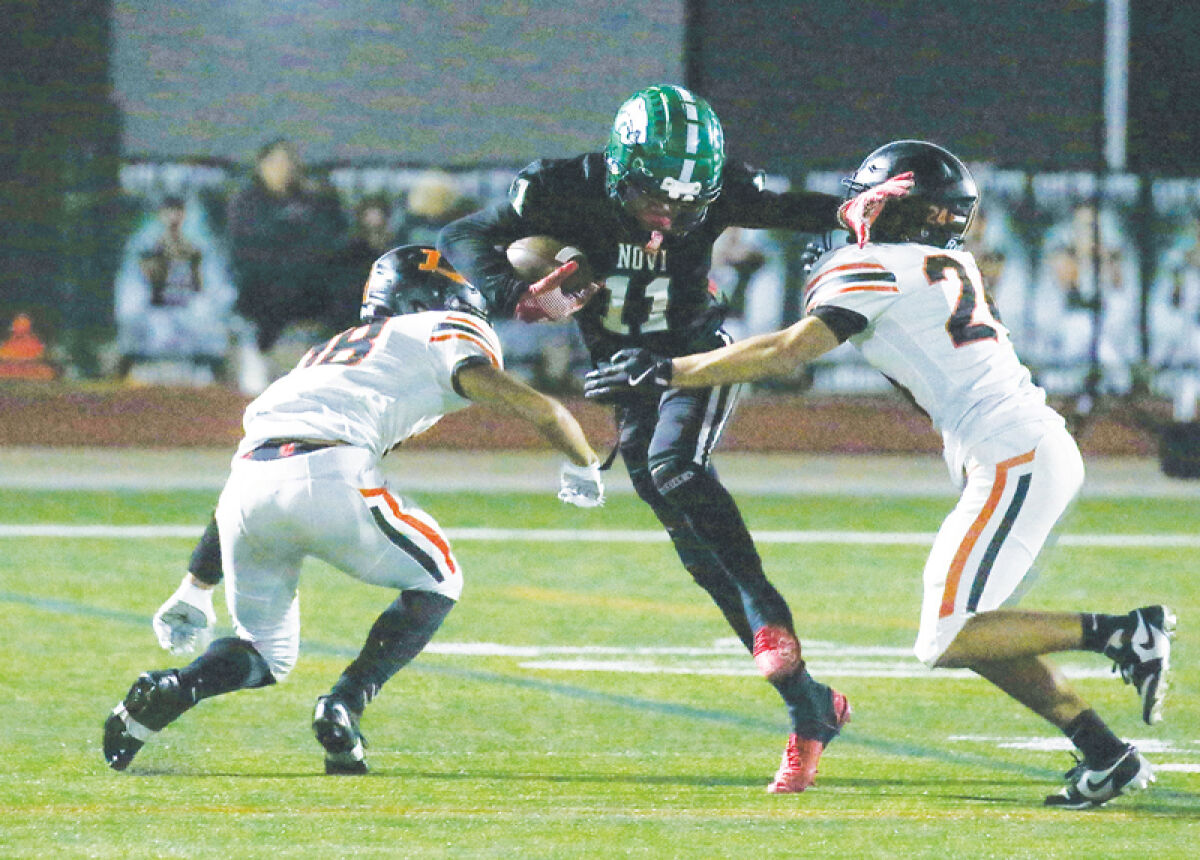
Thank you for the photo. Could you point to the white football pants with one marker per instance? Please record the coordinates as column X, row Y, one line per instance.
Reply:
column 1018, row 484
column 331, row 504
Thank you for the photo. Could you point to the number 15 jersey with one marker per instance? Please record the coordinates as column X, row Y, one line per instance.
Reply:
column 920, row 315
column 375, row 385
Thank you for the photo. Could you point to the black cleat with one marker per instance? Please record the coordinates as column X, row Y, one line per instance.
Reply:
column 1142, row 654
column 336, row 728
column 154, row 700
column 1088, row 787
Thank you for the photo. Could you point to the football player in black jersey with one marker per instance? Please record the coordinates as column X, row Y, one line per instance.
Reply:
column 646, row 213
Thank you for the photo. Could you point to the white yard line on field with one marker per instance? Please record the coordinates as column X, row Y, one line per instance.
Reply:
column 152, row 532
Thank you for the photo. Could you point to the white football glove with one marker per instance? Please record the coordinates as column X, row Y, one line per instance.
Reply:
column 187, row 620
column 581, row 485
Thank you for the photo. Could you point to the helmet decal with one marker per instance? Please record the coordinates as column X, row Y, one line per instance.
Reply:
column 415, row 278
column 632, row 123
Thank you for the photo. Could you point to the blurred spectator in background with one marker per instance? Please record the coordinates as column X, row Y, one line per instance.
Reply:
column 1004, row 264
column 748, row 272
column 1174, row 320
column 433, row 202
column 1074, row 292
column 371, row 236
column 285, row 229
column 173, row 300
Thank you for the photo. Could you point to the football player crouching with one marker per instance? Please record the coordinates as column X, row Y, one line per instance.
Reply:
column 306, row 480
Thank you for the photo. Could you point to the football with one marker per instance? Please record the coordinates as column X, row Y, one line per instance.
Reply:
column 534, row 257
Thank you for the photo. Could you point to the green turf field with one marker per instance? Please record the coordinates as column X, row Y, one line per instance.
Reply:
column 599, row 710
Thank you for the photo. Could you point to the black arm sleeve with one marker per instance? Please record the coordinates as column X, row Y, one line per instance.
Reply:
column 475, row 245
column 802, row 211
column 747, row 203
column 469, row 361
column 842, row 322
column 205, row 563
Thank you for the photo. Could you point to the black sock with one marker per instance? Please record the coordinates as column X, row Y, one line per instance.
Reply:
column 229, row 664
column 1098, row 631
column 396, row 637
column 809, row 704
column 1094, row 739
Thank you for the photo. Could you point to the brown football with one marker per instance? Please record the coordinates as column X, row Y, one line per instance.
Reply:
column 534, row 257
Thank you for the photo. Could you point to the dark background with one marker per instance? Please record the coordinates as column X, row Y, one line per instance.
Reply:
column 799, row 86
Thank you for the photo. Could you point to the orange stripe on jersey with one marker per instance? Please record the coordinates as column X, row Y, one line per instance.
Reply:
column 478, row 341
column 976, row 529
column 857, row 288
column 849, row 267
column 470, row 322
column 412, row 522
column 852, row 277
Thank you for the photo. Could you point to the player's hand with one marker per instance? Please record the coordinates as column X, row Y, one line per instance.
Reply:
column 546, row 300
column 859, row 213
column 581, row 485
column 627, row 371
column 187, row 620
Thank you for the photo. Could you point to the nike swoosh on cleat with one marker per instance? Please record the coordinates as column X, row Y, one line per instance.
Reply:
column 1092, row 785
column 1149, row 643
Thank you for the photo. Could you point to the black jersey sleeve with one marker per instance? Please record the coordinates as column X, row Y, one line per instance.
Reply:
column 475, row 244
column 746, row 202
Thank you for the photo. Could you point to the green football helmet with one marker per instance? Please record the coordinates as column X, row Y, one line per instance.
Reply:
column 665, row 158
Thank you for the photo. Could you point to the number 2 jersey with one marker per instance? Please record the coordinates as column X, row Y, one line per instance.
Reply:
column 375, row 385
column 658, row 300
column 921, row 316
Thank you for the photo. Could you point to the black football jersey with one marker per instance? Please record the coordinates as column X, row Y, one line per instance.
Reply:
column 659, row 300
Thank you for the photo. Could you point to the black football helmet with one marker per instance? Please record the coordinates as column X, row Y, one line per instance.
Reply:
column 941, row 205
column 415, row 278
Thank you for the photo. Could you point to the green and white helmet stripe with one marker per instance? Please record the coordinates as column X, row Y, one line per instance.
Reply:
column 669, row 139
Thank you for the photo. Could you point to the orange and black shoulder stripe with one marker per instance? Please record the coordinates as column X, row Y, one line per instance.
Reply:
column 850, row 278
column 465, row 327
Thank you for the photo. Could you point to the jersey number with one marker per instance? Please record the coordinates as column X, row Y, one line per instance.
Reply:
column 349, row 347
column 636, row 306
column 973, row 318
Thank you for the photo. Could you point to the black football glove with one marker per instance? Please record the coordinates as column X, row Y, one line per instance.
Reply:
column 628, row 371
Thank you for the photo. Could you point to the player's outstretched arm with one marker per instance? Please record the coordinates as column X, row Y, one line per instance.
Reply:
column 759, row 357
column 580, row 477
column 766, row 355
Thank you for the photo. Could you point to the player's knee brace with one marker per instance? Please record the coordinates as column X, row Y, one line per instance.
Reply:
column 680, row 482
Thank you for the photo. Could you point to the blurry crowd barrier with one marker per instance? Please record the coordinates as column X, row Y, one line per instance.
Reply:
column 1096, row 277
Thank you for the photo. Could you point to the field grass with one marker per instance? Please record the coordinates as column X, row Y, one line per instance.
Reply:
column 601, row 711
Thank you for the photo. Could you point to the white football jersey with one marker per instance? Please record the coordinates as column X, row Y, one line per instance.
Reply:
column 927, row 325
column 375, row 385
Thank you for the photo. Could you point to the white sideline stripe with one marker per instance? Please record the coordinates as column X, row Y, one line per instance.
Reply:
column 66, row 530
